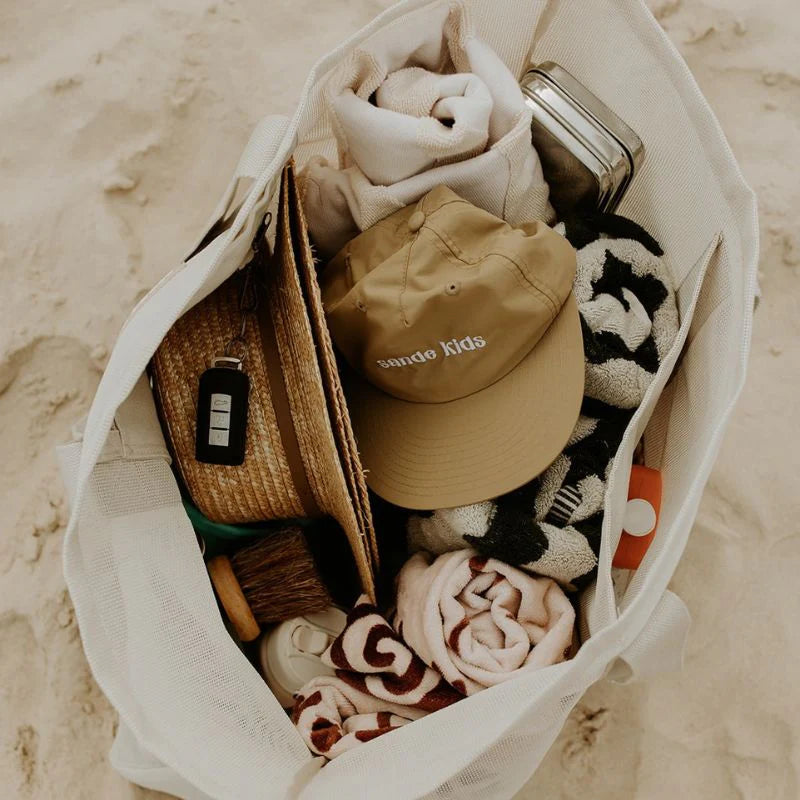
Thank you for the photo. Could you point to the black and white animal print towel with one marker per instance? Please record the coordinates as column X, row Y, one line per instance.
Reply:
column 552, row 525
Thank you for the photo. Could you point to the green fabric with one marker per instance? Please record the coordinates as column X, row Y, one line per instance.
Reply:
column 220, row 538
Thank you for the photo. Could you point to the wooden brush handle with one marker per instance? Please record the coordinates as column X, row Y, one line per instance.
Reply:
column 232, row 598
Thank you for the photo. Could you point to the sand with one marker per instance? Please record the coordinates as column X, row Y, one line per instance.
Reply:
column 120, row 125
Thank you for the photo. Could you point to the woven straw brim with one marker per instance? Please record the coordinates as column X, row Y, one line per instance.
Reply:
column 337, row 405
column 294, row 453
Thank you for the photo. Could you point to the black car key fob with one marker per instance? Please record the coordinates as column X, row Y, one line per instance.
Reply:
column 222, row 413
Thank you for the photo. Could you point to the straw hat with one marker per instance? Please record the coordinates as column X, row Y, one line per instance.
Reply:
column 300, row 453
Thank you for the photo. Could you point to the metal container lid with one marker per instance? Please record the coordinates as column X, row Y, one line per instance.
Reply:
column 603, row 116
column 590, row 155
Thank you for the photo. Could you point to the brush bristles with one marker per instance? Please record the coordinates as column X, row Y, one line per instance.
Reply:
column 279, row 578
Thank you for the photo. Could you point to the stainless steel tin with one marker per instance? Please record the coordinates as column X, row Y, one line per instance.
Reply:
column 588, row 154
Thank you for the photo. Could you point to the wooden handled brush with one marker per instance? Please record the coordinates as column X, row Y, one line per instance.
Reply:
column 271, row 580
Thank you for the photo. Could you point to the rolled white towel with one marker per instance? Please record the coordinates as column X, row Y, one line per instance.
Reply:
column 428, row 105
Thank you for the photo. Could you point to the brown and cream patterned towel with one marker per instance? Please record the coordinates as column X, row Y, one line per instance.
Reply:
column 380, row 684
column 479, row 621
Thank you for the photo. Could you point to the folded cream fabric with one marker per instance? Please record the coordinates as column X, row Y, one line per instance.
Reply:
column 380, row 684
column 422, row 105
column 445, row 117
column 480, row 621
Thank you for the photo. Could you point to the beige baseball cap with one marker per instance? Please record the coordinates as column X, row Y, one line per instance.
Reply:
column 465, row 349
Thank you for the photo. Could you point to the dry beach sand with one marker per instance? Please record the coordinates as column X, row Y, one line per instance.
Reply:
column 120, row 121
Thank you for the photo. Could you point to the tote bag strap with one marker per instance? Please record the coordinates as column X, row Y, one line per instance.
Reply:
column 252, row 163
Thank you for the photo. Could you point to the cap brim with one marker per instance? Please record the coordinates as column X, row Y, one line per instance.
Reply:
column 441, row 455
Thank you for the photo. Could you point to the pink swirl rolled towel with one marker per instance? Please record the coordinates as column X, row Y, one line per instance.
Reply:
column 479, row 621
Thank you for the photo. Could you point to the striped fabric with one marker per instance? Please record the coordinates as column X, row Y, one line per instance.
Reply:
column 565, row 503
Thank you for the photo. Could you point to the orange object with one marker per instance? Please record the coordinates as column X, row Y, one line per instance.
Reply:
column 641, row 517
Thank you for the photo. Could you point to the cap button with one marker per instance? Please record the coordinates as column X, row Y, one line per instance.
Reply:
column 416, row 221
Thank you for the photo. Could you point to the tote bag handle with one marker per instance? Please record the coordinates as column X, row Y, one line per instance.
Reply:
column 254, row 160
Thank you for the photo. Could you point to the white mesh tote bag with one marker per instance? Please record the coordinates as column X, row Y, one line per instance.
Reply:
column 196, row 720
